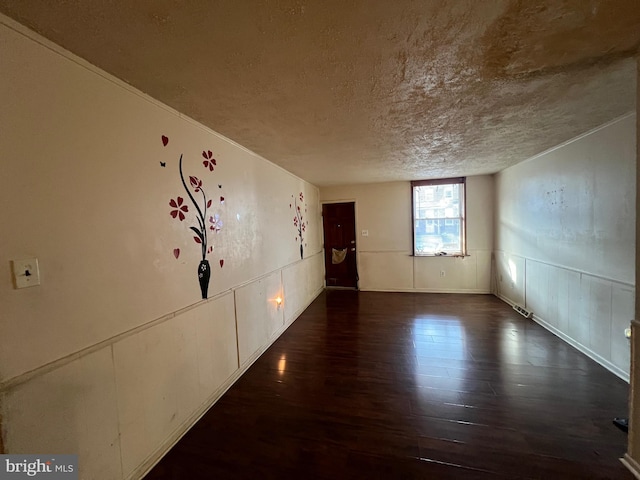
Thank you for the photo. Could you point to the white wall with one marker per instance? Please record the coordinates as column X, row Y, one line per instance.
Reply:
column 565, row 240
column 632, row 457
column 115, row 354
column 384, row 257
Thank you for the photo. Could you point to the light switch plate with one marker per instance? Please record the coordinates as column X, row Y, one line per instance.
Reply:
column 25, row 272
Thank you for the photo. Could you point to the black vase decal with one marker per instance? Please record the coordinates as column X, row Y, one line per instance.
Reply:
column 299, row 221
column 204, row 273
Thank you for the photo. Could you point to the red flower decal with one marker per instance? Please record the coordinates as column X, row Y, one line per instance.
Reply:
column 221, row 263
column 165, row 140
column 195, row 189
column 209, row 161
column 179, row 208
column 195, row 183
column 221, row 199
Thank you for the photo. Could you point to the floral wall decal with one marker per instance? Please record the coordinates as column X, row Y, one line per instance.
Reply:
column 179, row 208
column 205, row 224
column 299, row 219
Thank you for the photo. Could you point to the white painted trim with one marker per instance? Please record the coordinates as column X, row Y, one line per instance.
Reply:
column 617, row 371
column 579, row 137
column 298, row 312
column 564, row 267
column 55, row 364
column 60, row 362
column 428, row 290
column 632, row 465
column 505, row 300
column 587, row 351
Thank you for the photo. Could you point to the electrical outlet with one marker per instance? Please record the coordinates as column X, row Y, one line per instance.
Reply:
column 365, row 233
column 442, row 273
column 26, row 272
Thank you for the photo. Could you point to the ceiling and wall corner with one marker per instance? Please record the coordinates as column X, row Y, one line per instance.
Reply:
column 345, row 92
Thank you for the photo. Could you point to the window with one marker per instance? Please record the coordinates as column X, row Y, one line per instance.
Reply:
column 438, row 216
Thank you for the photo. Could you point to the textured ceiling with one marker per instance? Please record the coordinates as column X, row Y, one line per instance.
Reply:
column 358, row 91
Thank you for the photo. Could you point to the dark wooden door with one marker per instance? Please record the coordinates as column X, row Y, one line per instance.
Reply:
column 339, row 223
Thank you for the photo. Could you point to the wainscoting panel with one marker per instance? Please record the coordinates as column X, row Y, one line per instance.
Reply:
column 71, row 409
column 258, row 315
column 589, row 312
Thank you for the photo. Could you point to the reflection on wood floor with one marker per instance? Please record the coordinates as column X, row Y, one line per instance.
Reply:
column 369, row 385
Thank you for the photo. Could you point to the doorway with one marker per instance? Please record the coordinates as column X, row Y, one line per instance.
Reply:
column 339, row 224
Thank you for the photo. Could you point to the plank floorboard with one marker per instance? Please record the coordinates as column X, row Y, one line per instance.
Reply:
column 398, row 385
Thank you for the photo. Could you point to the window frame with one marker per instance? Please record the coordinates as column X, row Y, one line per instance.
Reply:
column 463, row 215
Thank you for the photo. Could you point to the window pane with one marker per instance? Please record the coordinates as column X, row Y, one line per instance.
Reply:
column 439, row 236
column 438, row 222
column 437, row 200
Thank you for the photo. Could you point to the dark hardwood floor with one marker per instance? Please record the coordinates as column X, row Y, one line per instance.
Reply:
column 371, row 385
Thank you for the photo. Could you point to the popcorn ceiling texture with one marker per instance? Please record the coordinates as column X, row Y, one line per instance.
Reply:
column 361, row 91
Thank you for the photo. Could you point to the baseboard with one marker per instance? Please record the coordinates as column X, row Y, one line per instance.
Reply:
column 617, row 371
column 632, row 465
column 298, row 312
column 427, row 290
column 153, row 459
column 504, row 299
column 182, row 429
